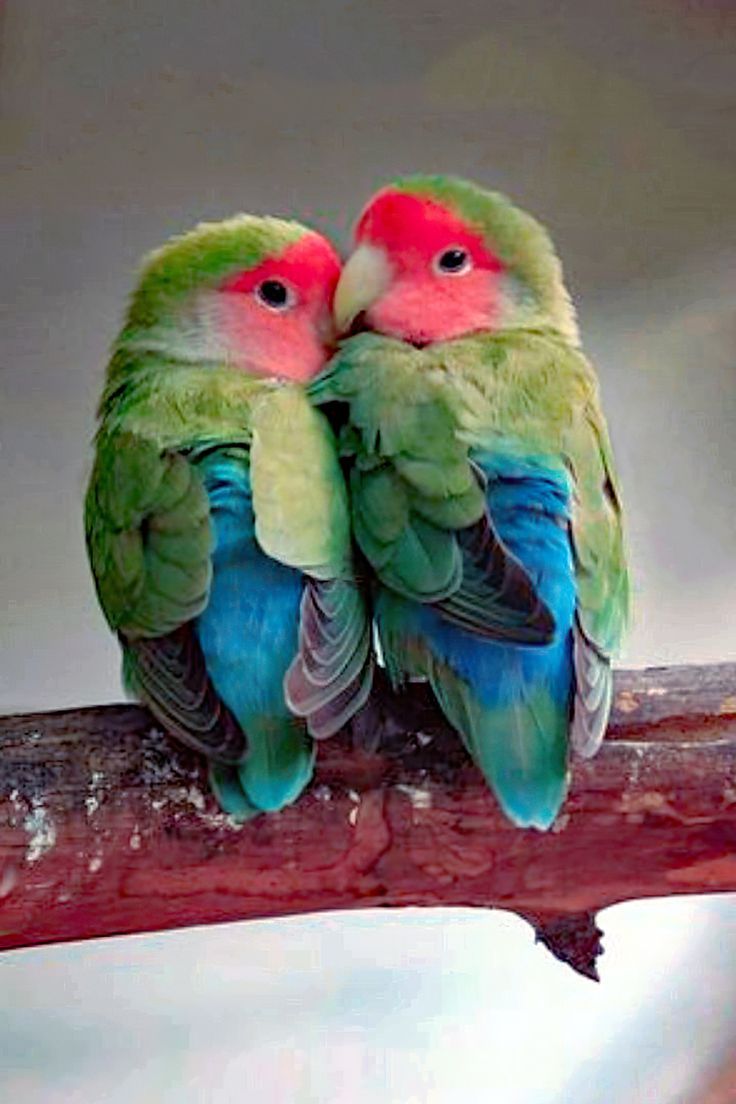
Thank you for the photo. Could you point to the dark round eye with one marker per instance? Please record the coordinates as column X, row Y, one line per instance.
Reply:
column 275, row 295
column 453, row 261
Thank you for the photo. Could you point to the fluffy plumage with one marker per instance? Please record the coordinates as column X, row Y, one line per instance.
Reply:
column 465, row 298
column 216, row 506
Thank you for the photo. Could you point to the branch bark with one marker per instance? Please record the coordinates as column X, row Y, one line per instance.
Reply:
column 107, row 827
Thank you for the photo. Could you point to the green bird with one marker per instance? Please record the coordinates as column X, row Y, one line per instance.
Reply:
column 481, row 475
column 216, row 517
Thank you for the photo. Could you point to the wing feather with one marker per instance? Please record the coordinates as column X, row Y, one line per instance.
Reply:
column 149, row 542
column 419, row 511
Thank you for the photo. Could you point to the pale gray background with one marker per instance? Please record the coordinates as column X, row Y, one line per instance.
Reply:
column 126, row 121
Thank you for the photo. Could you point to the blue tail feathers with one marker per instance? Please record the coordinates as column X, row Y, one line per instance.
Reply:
column 249, row 636
column 511, row 703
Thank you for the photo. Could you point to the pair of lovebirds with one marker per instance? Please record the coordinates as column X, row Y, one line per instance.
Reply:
column 264, row 493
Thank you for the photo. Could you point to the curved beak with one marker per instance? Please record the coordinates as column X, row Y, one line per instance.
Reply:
column 363, row 280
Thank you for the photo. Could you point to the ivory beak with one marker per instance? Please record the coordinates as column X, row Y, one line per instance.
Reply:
column 363, row 280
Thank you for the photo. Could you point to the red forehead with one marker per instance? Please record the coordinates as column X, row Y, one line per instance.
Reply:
column 409, row 224
column 311, row 264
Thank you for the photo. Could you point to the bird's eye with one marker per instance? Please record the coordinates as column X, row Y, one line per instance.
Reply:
column 275, row 295
column 452, row 261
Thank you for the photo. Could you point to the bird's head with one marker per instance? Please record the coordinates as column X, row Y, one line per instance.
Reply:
column 438, row 258
column 254, row 294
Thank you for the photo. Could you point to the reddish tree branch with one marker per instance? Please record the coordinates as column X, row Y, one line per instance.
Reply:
column 106, row 826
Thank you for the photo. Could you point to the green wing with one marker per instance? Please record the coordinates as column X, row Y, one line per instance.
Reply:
column 303, row 519
column 602, row 576
column 299, row 497
column 535, row 394
column 149, row 543
column 418, row 505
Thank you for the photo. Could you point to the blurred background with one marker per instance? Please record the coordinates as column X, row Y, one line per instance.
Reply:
column 124, row 121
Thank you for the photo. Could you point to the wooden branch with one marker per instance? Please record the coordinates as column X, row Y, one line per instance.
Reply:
column 106, row 826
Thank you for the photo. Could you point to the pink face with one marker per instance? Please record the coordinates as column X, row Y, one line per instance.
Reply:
column 277, row 318
column 444, row 280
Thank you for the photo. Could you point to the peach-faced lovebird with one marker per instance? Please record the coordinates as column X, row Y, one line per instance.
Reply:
column 217, row 519
column 468, row 380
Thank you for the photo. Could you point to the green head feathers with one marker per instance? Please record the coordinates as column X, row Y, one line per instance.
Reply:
column 204, row 257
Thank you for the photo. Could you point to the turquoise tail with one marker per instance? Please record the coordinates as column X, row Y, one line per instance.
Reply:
column 520, row 746
column 277, row 768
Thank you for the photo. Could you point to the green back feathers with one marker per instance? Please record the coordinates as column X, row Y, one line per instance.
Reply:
column 182, row 406
column 535, row 395
column 410, row 483
column 519, row 241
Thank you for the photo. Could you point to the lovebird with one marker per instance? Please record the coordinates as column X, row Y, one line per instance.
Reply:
column 463, row 379
column 217, row 518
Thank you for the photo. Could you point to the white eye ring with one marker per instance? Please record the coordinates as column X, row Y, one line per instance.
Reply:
column 275, row 295
column 453, row 260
